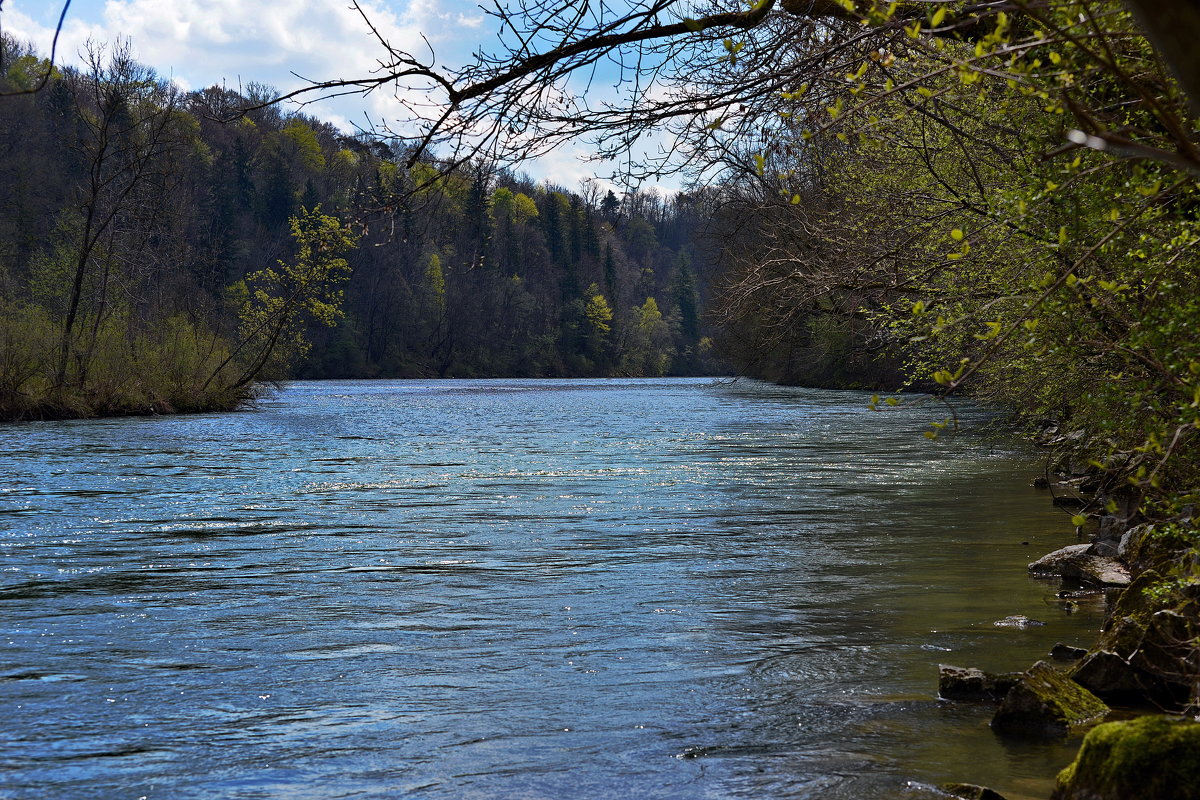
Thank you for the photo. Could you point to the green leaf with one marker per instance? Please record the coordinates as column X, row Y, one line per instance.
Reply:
column 1078, row 520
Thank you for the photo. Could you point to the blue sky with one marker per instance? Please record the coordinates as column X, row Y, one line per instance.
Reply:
column 199, row 43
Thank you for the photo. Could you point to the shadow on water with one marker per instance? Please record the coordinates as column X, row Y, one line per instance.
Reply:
column 537, row 589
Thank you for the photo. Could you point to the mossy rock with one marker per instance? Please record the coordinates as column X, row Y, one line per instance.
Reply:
column 1148, row 547
column 1152, row 758
column 1133, row 600
column 1045, row 702
column 1170, row 654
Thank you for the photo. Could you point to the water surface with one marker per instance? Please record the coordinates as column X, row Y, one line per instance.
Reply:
column 517, row 589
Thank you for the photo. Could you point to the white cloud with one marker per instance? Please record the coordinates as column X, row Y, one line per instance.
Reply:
column 205, row 42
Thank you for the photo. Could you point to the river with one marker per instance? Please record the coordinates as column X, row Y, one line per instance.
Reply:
column 518, row 589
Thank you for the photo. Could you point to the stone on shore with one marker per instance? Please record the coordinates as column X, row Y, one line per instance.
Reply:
column 1051, row 563
column 1045, row 702
column 1079, row 562
column 1151, row 758
column 1108, row 675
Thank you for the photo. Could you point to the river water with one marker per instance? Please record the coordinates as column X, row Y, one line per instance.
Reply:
column 517, row 589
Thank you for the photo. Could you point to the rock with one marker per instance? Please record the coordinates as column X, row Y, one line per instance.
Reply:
column 1152, row 758
column 1168, row 656
column 1142, row 550
column 1134, row 603
column 1126, row 542
column 1078, row 562
column 1065, row 652
column 974, row 685
column 1151, row 651
column 1045, row 702
column 969, row 791
column 1051, row 563
column 1107, row 675
column 1018, row 621
column 1096, row 570
column 1107, row 540
column 1122, row 635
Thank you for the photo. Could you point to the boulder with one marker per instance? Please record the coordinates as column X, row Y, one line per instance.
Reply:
column 1133, row 602
column 1169, row 656
column 1108, row 538
column 1078, row 562
column 974, row 685
column 1107, row 675
column 1051, row 563
column 1142, row 550
column 1151, row 758
column 1065, row 652
column 1045, row 702
column 969, row 791
column 1096, row 570
column 1150, row 652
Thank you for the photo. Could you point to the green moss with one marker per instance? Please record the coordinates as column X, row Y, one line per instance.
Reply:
column 1047, row 702
column 1152, row 758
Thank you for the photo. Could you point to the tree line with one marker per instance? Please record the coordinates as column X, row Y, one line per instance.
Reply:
column 163, row 250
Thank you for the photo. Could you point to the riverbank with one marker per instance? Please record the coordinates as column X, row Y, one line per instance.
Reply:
column 67, row 405
column 1145, row 662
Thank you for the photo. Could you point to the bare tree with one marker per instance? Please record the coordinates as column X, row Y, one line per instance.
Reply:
column 125, row 142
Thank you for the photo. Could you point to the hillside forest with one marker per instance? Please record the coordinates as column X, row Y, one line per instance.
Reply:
column 161, row 252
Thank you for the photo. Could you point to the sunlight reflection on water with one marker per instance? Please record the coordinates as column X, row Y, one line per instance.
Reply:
column 535, row 589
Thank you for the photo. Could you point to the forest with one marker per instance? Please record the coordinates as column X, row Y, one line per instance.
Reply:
column 157, row 255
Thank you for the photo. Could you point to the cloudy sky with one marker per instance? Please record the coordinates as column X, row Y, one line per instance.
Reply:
column 199, row 43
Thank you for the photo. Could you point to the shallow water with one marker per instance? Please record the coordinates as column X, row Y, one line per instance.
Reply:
column 503, row 589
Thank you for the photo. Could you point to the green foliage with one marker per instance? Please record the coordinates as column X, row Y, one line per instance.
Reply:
column 650, row 351
column 436, row 279
column 932, row 190
column 280, row 302
column 598, row 312
column 304, row 140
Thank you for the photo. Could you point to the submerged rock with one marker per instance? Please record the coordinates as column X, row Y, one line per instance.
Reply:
column 969, row 791
column 974, row 685
column 1152, row 758
column 1045, row 702
column 1018, row 621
